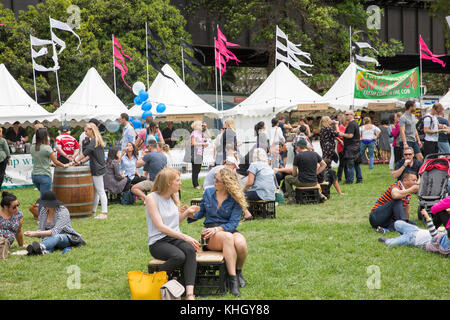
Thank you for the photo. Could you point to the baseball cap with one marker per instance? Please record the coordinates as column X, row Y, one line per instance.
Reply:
column 302, row 143
column 64, row 128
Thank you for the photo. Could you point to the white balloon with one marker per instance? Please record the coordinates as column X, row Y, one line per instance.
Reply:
column 138, row 86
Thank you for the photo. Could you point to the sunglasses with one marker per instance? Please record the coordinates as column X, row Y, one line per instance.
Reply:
column 15, row 207
column 407, row 154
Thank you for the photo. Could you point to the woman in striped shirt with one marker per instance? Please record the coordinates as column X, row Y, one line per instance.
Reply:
column 393, row 204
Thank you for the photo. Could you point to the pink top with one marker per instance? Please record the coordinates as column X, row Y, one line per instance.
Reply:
column 395, row 134
column 142, row 134
column 441, row 206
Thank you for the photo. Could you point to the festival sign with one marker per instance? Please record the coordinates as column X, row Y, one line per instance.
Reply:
column 399, row 85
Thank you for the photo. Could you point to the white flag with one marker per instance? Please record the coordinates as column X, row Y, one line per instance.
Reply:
column 281, row 34
column 366, row 59
column 281, row 46
column 41, row 52
column 40, row 68
column 280, row 57
column 365, row 45
column 63, row 26
column 59, row 42
column 448, row 20
column 39, row 42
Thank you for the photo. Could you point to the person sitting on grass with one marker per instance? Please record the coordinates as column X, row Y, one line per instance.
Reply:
column 411, row 235
column 114, row 180
column 11, row 219
column 222, row 208
column 165, row 239
column 393, row 204
column 54, row 227
column 330, row 176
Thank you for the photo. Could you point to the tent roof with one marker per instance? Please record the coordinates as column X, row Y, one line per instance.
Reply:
column 340, row 95
column 177, row 96
column 281, row 91
column 16, row 104
column 92, row 99
column 445, row 100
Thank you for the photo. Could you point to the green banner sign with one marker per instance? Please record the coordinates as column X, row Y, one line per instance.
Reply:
column 399, row 85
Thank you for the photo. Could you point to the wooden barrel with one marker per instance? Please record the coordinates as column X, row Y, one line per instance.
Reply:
column 74, row 187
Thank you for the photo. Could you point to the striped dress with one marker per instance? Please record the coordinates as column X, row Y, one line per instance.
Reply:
column 386, row 197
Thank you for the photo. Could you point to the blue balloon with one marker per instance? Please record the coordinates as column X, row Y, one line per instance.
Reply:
column 137, row 100
column 143, row 95
column 146, row 106
column 146, row 114
column 136, row 123
column 161, row 108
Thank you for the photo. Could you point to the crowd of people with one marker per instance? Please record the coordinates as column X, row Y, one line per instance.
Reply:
column 139, row 168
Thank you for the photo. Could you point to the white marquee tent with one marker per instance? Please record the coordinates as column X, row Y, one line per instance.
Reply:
column 445, row 100
column 92, row 99
column 180, row 101
column 281, row 91
column 340, row 95
column 16, row 104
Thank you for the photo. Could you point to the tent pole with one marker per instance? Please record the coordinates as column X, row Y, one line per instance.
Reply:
column 182, row 61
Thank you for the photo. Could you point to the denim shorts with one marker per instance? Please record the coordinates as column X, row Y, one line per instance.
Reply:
column 415, row 146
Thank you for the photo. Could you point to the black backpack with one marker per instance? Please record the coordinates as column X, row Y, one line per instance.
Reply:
column 419, row 127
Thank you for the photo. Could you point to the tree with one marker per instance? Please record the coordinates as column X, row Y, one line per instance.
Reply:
column 322, row 27
column 99, row 20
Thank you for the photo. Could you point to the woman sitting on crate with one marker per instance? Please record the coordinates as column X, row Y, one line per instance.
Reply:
column 165, row 239
column 222, row 208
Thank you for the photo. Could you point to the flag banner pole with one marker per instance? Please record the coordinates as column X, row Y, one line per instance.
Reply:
column 350, row 47
column 420, row 62
column 182, row 61
column 34, row 73
column 114, row 67
column 146, row 54
column 215, row 72
column 221, row 96
column 56, row 71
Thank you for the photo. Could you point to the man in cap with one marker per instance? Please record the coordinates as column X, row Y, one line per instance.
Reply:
column 307, row 165
column 67, row 147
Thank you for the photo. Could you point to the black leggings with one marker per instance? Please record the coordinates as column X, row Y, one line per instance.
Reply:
column 3, row 165
column 176, row 253
column 196, row 168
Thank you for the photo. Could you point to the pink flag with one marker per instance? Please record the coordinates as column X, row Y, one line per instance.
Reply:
column 119, row 54
column 223, row 55
column 426, row 53
column 122, row 71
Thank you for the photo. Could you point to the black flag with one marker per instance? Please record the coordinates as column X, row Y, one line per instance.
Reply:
column 187, row 45
column 158, row 68
column 152, row 47
column 192, row 73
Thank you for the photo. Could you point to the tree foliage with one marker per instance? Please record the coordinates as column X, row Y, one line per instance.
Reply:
column 100, row 19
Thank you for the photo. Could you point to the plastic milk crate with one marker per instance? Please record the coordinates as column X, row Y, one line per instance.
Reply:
column 211, row 273
column 307, row 195
column 262, row 209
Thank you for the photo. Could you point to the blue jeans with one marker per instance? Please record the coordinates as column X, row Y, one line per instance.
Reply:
column 371, row 147
column 444, row 147
column 387, row 214
column 349, row 174
column 42, row 183
column 408, row 234
column 59, row 241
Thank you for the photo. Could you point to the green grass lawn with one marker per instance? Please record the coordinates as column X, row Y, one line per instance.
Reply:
column 326, row 251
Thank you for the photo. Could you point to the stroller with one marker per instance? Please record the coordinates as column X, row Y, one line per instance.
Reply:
column 434, row 176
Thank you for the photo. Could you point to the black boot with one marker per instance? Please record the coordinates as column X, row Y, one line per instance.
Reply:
column 241, row 279
column 233, row 284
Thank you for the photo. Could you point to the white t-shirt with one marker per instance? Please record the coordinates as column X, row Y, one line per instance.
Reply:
column 369, row 134
column 431, row 122
column 276, row 136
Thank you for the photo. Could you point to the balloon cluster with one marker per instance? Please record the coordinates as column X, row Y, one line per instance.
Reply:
column 141, row 99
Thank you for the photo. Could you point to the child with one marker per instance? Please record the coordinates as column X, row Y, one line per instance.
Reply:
column 411, row 235
column 329, row 175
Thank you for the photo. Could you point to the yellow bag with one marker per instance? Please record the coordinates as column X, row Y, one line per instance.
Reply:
column 145, row 286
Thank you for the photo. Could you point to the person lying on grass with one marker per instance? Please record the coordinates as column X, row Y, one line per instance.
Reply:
column 54, row 227
column 165, row 239
column 222, row 208
column 411, row 235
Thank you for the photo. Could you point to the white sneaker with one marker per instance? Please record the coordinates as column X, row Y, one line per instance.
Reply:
column 101, row 216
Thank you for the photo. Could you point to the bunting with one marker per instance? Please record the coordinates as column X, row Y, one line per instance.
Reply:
column 119, row 54
column 426, row 53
